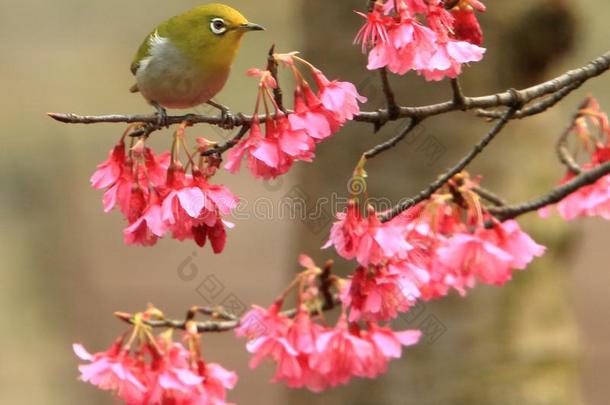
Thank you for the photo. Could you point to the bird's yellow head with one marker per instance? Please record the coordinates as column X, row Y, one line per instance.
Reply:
column 210, row 34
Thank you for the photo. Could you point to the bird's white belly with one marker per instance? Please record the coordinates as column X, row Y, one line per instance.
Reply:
column 169, row 78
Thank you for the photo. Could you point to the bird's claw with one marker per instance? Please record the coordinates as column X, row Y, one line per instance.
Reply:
column 162, row 120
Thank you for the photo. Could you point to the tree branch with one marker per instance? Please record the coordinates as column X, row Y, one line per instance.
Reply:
column 564, row 84
column 435, row 186
column 554, row 196
column 382, row 147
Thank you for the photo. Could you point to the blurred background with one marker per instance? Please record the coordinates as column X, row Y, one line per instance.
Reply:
column 543, row 339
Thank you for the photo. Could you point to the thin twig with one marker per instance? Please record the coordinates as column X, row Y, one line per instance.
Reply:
column 489, row 196
column 536, row 108
column 393, row 141
column 504, row 99
column 458, row 94
column 432, row 188
column 220, row 149
column 554, row 196
column 277, row 90
column 221, row 326
column 390, row 98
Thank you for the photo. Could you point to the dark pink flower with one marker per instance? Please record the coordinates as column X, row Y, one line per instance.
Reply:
column 109, row 172
column 149, row 227
column 379, row 294
column 374, row 30
column 466, row 26
column 366, row 239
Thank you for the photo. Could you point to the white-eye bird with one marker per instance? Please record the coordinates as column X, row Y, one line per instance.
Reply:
column 186, row 60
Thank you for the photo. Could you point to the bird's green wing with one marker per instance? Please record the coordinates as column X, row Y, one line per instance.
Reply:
column 141, row 54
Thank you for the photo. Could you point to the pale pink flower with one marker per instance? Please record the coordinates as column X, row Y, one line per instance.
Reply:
column 309, row 116
column 448, row 59
column 509, row 237
column 470, row 258
column 112, row 370
column 341, row 98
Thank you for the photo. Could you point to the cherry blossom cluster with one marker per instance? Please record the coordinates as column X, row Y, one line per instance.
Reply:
column 422, row 36
column 290, row 137
column 591, row 133
column 143, row 369
column 309, row 353
column 158, row 195
column 449, row 242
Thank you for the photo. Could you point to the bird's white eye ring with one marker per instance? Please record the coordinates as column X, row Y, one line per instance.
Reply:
column 218, row 26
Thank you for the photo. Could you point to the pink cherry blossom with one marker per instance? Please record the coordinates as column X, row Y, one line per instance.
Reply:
column 366, row 239
column 110, row 171
column 387, row 345
column 374, row 30
column 466, row 26
column 509, row 237
column 341, row 354
column 588, row 201
column 422, row 36
column 341, row 98
column 149, row 227
column 113, row 371
column 379, row 294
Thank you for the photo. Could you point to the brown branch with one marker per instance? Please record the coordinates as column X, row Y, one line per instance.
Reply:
column 435, row 186
column 537, row 108
column 393, row 108
column 489, row 196
column 458, row 95
column 503, row 99
column 382, row 147
column 220, row 149
column 272, row 67
column 218, row 325
column 554, row 196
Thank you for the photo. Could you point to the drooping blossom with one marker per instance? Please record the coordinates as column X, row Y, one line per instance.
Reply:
column 308, row 353
column 422, row 36
column 380, row 293
column 591, row 130
column 466, row 25
column 366, row 239
column 448, row 243
column 156, row 370
column 158, row 197
column 176, row 377
column 114, row 371
column 592, row 200
column 387, row 345
column 290, row 137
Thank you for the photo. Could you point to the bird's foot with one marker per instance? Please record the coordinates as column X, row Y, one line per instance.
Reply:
column 227, row 119
column 161, row 113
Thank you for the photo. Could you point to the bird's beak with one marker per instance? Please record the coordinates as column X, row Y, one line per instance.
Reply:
column 251, row 27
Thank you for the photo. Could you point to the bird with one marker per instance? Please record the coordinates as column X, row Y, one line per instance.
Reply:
column 185, row 61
